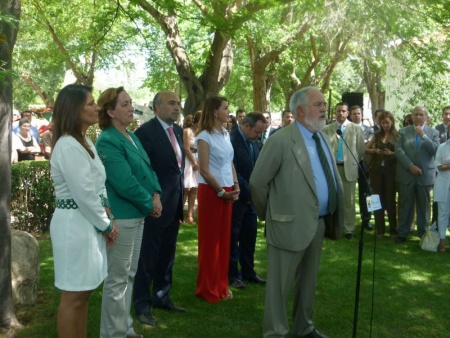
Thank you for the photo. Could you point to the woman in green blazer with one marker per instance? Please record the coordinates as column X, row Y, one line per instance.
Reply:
column 133, row 193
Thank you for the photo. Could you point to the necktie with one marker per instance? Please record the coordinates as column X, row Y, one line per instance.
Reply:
column 417, row 142
column 174, row 145
column 332, row 194
column 263, row 138
column 340, row 150
column 251, row 151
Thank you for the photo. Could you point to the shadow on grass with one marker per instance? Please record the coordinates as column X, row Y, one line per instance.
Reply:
column 410, row 295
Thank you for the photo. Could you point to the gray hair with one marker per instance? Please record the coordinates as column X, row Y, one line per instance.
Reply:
column 300, row 98
column 425, row 110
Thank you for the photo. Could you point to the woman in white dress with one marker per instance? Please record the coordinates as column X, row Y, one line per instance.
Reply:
column 81, row 226
column 191, row 166
column 441, row 191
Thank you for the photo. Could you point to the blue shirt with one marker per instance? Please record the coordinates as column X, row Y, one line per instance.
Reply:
column 316, row 166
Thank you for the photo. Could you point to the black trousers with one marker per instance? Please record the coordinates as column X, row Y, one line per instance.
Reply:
column 155, row 266
column 244, row 227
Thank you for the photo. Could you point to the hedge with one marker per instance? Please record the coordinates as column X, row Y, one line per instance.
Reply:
column 32, row 196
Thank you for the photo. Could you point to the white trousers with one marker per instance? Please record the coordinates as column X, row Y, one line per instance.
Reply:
column 123, row 258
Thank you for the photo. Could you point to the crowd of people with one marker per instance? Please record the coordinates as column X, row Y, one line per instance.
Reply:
column 27, row 143
column 120, row 202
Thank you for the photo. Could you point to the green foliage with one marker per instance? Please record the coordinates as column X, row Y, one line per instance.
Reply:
column 32, row 196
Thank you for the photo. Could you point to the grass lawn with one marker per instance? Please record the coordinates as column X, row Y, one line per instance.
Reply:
column 411, row 295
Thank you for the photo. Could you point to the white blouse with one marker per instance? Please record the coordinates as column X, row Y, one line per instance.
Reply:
column 221, row 155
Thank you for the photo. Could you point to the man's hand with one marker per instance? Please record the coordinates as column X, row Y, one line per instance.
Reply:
column 415, row 170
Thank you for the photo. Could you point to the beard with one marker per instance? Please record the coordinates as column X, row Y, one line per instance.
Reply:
column 315, row 125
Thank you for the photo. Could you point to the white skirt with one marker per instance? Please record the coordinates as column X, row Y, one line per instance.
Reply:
column 79, row 251
column 190, row 175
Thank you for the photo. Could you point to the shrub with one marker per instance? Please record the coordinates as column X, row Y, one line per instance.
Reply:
column 32, row 196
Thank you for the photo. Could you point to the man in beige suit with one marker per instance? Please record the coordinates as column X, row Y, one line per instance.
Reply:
column 294, row 200
column 347, row 166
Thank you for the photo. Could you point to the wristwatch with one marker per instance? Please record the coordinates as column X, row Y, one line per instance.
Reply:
column 221, row 193
column 424, row 136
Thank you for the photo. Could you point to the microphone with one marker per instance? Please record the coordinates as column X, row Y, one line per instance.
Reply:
column 366, row 180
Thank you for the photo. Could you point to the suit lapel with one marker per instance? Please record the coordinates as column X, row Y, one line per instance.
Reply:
column 128, row 145
column 302, row 156
column 243, row 147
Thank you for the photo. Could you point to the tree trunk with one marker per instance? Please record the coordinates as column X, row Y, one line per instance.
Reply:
column 218, row 64
column 8, row 34
column 373, row 79
column 261, row 81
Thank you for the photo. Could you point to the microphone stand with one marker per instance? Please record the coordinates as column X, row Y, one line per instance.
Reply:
column 361, row 242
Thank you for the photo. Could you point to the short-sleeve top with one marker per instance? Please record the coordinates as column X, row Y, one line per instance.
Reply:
column 221, row 155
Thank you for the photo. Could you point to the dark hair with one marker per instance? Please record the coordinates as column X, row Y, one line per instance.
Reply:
column 233, row 120
column 407, row 120
column 444, row 109
column 23, row 121
column 67, row 111
column 107, row 100
column 284, row 112
column 253, row 118
column 207, row 118
column 25, row 111
column 355, row 107
column 387, row 115
column 239, row 111
column 341, row 104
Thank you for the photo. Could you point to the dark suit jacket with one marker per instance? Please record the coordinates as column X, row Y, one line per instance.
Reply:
column 243, row 164
column 442, row 129
column 164, row 162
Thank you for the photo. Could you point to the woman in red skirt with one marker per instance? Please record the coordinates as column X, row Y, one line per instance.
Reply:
column 217, row 190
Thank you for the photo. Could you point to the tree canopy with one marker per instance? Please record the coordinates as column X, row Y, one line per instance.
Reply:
column 255, row 52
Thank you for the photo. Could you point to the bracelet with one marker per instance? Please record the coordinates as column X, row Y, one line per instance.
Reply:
column 110, row 216
column 236, row 182
column 156, row 193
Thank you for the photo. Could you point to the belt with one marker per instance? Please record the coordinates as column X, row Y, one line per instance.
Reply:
column 340, row 163
column 71, row 204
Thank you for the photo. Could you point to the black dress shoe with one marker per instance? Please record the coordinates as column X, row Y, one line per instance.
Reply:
column 238, row 284
column 256, row 279
column 170, row 307
column 147, row 319
column 315, row 334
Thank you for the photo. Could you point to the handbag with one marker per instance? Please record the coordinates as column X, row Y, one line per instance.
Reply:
column 430, row 240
